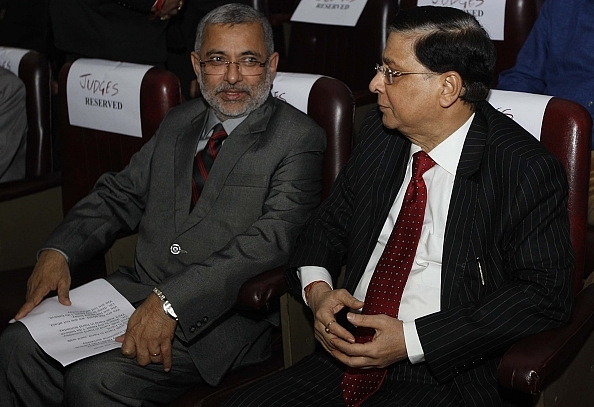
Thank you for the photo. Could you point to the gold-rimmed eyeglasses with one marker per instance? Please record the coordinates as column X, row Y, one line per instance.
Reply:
column 247, row 66
column 389, row 74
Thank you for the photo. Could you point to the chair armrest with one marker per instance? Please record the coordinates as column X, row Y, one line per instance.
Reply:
column 256, row 293
column 535, row 360
column 16, row 189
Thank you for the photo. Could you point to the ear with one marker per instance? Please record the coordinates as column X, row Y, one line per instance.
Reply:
column 195, row 62
column 451, row 88
column 273, row 64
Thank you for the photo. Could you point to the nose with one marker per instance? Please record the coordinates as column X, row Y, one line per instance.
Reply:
column 377, row 83
column 233, row 74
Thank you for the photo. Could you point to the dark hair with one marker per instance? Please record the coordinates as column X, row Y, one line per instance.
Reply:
column 451, row 40
column 235, row 13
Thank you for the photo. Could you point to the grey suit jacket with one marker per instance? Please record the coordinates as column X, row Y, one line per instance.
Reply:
column 261, row 189
column 508, row 209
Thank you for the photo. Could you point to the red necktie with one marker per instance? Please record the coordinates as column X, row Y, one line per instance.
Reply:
column 204, row 160
column 389, row 278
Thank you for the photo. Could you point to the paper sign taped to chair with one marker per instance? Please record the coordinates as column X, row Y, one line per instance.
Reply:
column 527, row 109
column 105, row 95
column 294, row 88
column 490, row 13
column 333, row 12
column 10, row 58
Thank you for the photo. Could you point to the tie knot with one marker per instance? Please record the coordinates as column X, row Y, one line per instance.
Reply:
column 218, row 132
column 421, row 163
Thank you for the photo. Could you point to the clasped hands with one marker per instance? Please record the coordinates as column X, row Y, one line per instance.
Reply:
column 149, row 332
column 386, row 347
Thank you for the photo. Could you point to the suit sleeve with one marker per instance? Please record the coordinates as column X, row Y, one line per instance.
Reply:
column 530, row 289
column 115, row 205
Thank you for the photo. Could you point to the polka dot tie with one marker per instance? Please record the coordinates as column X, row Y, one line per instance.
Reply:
column 389, row 278
column 204, row 160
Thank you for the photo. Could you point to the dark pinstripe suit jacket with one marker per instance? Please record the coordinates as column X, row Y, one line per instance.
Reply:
column 508, row 209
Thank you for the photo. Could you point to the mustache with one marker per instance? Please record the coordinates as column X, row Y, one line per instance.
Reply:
column 225, row 87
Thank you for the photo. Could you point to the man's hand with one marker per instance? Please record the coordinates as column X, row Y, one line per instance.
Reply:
column 51, row 273
column 325, row 303
column 149, row 334
column 169, row 8
column 386, row 347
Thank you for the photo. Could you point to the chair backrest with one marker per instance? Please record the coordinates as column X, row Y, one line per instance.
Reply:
column 566, row 131
column 88, row 153
column 345, row 53
column 331, row 104
column 34, row 70
column 520, row 16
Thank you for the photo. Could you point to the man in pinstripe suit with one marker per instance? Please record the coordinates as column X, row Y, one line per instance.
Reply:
column 494, row 262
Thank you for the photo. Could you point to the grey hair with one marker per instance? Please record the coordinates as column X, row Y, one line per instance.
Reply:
column 235, row 13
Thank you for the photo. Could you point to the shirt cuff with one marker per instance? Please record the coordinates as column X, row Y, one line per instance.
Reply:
column 56, row 250
column 309, row 274
column 414, row 349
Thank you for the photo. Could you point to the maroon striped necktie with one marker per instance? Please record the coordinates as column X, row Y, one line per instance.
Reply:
column 204, row 160
column 389, row 278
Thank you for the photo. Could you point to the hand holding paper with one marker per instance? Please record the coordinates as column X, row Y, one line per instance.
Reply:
column 98, row 314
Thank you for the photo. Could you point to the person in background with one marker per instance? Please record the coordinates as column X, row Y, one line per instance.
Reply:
column 131, row 31
column 13, row 127
column 218, row 195
column 557, row 59
column 451, row 221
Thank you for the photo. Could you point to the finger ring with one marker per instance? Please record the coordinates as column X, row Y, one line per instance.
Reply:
column 155, row 354
column 328, row 327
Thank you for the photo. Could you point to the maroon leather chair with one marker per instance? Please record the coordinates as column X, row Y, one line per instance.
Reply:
column 331, row 105
column 555, row 367
column 88, row 153
column 34, row 71
column 345, row 53
column 520, row 16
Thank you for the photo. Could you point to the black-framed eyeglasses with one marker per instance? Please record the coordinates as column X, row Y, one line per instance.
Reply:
column 247, row 66
column 389, row 74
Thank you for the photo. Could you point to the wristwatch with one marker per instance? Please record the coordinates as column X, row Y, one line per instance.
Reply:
column 167, row 307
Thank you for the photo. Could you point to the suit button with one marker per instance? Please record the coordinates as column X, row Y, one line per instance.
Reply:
column 199, row 324
column 205, row 320
column 193, row 329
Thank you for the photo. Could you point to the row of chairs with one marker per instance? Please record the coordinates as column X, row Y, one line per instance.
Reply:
column 529, row 367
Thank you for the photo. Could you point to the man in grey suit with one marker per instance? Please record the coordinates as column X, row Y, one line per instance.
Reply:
column 493, row 261
column 13, row 127
column 190, row 259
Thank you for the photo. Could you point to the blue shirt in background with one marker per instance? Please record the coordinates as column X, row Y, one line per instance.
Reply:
column 557, row 58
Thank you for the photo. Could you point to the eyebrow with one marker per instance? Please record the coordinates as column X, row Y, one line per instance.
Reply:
column 244, row 53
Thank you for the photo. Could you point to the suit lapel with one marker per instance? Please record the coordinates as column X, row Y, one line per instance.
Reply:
column 185, row 150
column 462, row 211
column 383, row 185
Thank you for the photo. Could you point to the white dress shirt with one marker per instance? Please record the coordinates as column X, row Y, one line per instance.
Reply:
column 422, row 293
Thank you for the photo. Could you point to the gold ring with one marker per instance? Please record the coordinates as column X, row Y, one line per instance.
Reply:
column 155, row 354
column 163, row 18
column 328, row 327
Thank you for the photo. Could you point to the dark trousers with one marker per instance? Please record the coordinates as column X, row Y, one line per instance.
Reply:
column 29, row 377
column 315, row 382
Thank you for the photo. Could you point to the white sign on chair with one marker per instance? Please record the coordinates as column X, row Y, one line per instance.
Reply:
column 490, row 13
column 105, row 95
column 332, row 12
column 527, row 109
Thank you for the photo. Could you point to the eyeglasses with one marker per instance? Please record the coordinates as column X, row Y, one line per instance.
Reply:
column 389, row 74
column 247, row 66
